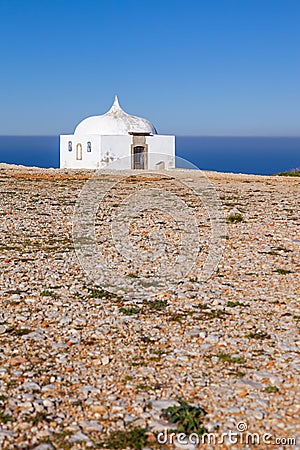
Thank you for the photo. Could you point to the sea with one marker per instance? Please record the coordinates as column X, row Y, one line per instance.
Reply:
column 252, row 155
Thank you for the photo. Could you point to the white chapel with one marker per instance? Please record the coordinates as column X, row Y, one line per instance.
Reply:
column 117, row 140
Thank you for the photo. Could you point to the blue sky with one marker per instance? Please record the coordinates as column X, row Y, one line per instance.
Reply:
column 193, row 67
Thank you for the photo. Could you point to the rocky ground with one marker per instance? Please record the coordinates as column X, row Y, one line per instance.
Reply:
column 91, row 366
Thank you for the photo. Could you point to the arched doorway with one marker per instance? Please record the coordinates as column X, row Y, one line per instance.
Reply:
column 139, row 157
column 139, row 151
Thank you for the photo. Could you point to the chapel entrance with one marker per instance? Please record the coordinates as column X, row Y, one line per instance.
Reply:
column 138, row 157
column 139, row 151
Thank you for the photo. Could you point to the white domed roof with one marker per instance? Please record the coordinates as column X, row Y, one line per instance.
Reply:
column 115, row 122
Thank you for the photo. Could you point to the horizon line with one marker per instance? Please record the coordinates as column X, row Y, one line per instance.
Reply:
column 179, row 135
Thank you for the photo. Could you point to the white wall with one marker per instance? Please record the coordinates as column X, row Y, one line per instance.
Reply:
column 115, row 150
column 161, row 148
column 90, row 160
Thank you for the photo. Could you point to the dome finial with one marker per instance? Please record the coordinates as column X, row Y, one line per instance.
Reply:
column 116, row 103
column 115, row 106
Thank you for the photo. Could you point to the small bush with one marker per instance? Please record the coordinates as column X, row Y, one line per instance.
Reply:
column 5, row 418
column 188, row 418
column 290, row 173
column 258, row 335
column 129, row 311
column 135, row 439
column 271, row 389
column 232, row 304
column 235, row 218
column 46, row 293
column 100, row 293
column 231, row 359
column 18, row 331
column 22, row 332
column 132, row 275
column 283, row 271
column 157, row 305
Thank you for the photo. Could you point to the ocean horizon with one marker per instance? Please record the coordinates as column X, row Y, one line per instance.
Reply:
column 252, row 155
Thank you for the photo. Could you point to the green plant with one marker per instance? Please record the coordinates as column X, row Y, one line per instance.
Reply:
column 18, row 332
column 157, row 304
column 238, row 374
column 290, row 173
column 160, row 351
column 271, row 252
column 129, row 311
column 100, row 293
column 5, row 418
column 144, row 387
column 175, row 317
column 282, row 271
column 39, row 417
column 22, row 332
column 62, row 440
column 132, row 275
column 127, row 378
column 135, row 439
column 214, row 314
column 234, row 218
column 188, row 418
column 232, row 304
column 146, row 339
column 46, row 293
column 258, row 335
column 225, row 357
column 139, row 361
column 272, row 389
column 201, row 306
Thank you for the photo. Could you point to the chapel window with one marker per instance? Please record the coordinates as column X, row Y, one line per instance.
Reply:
column 70, row 146
column 78, row 151
column 89, row 147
